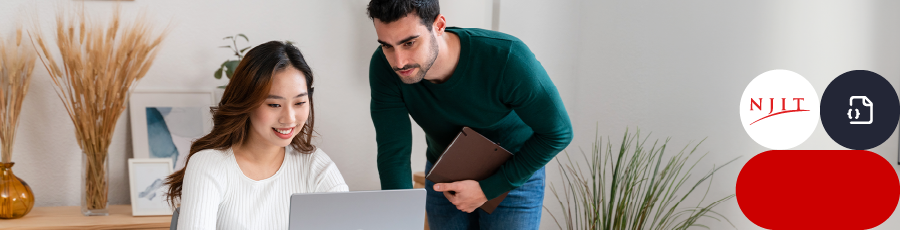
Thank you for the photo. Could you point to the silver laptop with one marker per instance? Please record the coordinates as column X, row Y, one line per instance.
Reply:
column 362, row 210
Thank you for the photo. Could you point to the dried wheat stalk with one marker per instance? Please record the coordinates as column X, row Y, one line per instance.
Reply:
column 16, row 65
column 101, row 63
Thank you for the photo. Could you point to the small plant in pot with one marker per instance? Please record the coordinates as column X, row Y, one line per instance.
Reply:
column 227, row 67
column 17, row 59
column 634, row 185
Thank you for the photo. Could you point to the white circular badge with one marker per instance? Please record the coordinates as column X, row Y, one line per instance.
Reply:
column 779, row 109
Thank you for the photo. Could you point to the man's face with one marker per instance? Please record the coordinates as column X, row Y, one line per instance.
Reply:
column 409, row 47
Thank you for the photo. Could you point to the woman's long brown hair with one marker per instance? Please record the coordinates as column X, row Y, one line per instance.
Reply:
column 247, row 90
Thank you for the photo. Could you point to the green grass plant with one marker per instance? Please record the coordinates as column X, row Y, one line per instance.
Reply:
column 629, row 186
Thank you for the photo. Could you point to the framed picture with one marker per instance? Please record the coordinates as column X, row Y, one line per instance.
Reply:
column 146, row 183
column 165, row 123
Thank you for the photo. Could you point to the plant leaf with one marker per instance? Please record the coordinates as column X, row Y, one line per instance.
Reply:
column 244, row 36
column 229, row 37
column 225, row 47
column 644, row 195
column 245, row 48
column 221, row 70
column 231, row 65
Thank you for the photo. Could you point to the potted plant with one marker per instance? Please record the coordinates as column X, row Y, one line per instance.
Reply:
column 101, row 63
column 629, row 186
column 16, row 66
column 227, row 67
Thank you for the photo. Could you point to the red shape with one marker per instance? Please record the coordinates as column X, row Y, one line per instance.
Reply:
column 818, row 189
column 782, row 112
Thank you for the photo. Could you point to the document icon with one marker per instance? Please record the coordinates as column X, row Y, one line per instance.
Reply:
column 866, row 103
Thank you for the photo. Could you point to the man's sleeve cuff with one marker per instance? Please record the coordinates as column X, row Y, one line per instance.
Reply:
column 495, row 185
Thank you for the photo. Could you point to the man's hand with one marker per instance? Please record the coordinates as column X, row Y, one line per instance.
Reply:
column 467, row 194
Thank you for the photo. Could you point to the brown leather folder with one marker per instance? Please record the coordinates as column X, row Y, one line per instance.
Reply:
column 470, row 156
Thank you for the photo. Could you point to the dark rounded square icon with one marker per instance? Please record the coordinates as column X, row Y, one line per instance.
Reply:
column 859, row 109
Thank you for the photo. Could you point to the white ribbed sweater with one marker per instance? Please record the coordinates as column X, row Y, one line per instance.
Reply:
column 217, row 195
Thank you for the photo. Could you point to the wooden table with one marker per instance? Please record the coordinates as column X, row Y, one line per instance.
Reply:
column 419, row 179
column 70, row 217
column 419, row 182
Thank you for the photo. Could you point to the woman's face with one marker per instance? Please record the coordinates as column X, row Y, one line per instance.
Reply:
column 281, row 116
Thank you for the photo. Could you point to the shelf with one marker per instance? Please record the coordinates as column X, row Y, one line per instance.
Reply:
column 70, row 217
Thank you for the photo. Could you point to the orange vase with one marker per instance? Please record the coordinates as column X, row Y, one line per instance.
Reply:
column 16, row 198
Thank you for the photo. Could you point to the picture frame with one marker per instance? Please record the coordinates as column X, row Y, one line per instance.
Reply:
column 165, row 123
column 147, row 186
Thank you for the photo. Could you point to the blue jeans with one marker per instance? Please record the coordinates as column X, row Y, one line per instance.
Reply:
column 521, row 209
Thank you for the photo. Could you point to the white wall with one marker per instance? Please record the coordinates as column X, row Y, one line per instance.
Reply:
column 676, row 69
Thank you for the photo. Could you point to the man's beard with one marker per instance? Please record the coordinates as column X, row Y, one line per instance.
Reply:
column 422, row 71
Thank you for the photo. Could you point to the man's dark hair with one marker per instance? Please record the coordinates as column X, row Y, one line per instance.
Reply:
column 392, row 10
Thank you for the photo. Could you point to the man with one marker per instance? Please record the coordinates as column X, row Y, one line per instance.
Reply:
column 448, row 78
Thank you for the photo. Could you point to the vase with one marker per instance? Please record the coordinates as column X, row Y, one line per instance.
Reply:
column 95, row 184
column 16, row 197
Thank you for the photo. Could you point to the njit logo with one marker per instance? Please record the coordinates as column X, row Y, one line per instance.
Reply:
column 758, row 105
column 779, row 114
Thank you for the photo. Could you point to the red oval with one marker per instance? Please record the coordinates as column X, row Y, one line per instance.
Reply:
column 818, row 189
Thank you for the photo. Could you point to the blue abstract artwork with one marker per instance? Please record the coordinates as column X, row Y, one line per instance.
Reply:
column 170, row 131
column 149, row 187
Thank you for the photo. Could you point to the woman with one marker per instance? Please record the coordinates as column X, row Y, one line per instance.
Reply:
column 241, row 175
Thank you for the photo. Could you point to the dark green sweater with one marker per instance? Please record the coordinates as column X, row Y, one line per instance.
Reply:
column 498, row 89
